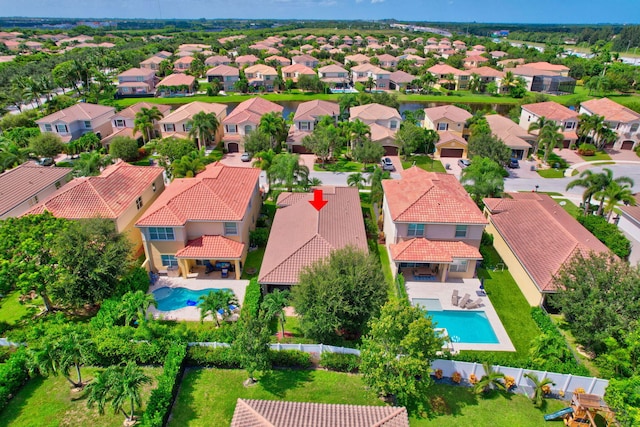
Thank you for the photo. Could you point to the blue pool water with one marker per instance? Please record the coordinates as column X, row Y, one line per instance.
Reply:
column 174, row 298
column 462, row 326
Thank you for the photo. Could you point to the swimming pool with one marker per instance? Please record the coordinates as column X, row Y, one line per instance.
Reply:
column 471, row 327
column 174, row 298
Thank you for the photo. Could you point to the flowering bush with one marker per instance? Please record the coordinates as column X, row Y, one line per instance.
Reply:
column 509, row 382
column 438, row 373
column 579, row 390
column 561, row 393
column 473, row 379
column 546, row 389
column 456, row 377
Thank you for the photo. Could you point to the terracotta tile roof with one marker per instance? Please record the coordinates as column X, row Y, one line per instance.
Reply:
column 303, row 58
column 298, row 68
column 401, row 77
column 107, row 195
column 365, row 68
column 358, row 58
column 425, row 250
column 446, row 137
column 541, row 234
column 447, row 69
column 311, row 110
column 184, row 60
column 153, row 60
column 429, row 197
column 177, row 80
column 372, row 112
column 508, row 131
column 547, row 66
column 381, row 133
column 245, row 59
column 632, row 212
column 23, row 182
column 223, row 70
column 262, row 69
column 135, row 72
column 220, row 193
column 524, row 70
column 81, row 111
column 126, row 132
column 476, row 58
column 300, row 235
column 272, row 413
column 211, row 247
column 130, row 112
column 251, row 110
column 281, row 59
column 451, row 112
column 332, row 68
column 551, row 110
column 612, row 111
column 385, row 57
column 216, row 59
column 487, row 72
column 187, row 111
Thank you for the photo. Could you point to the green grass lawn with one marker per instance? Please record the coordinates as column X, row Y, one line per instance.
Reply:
column 563, row 326
column 253, row 261
column 570, row 207
column 44, row 402
column 12, row 311
column 551, row 173
column 340, row 165
column 600, row 155
column 208, row 397
column 424, row 162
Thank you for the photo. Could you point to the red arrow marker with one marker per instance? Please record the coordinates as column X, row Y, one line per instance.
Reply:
column 317, row 201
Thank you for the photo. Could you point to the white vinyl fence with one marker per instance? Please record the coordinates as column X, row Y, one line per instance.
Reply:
column 564, row 384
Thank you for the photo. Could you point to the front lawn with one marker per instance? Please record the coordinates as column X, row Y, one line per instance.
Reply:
column 551, row 173
column 599, row 155
column 423, row 162
column 208, row 397
column 570, row 207
column 12, row 310
column 342, row 164
column 48, row 401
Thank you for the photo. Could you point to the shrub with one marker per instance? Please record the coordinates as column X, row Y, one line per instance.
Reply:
column 340, row 362
column 456, row 377
column 162, row 396
column 220, row 357
column 607, row 233
column 587, row 150
column 487, row 239
column 119, row 344
column 252, row 298
column 290, row 359
column 13, row 374
column 136, row 280
column 438, row 374
column 259, row 237
column 473, row 379
column 509, row 382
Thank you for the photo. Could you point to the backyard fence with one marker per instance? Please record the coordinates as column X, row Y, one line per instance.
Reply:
column 564, row 384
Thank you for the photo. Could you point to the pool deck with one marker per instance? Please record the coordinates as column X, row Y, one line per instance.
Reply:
column 443, row 292
column 193, row 313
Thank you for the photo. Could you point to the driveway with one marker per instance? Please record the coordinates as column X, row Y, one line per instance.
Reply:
column 623, row 155
column 233, row 159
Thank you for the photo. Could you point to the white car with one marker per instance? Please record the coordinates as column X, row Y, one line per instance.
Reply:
column 246, row 157
column 464, row 163
column 387, row 164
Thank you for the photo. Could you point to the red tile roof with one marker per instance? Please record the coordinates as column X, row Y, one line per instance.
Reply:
column 130, row 112
column 107, row 195
column 450, row 112
column 81, row 111
column 272, row 413
column 301, row 235
column 447, row 69
column 371, row 112
column 177, row 80
column 252, row 110
column 541, row 234
column 429, row 197
column 220, row 193
column 551, row 110
column 612, row 111
column 424, row 250
column 311, row 110
column 19, row 184
column 211, row 247
column 632, row 212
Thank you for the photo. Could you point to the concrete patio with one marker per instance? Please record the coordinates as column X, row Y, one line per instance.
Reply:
column 443, row 291
column 193, row 313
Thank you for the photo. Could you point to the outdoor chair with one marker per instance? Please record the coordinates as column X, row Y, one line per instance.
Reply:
column 465, row 300
column 474, row 304
column 454, row 298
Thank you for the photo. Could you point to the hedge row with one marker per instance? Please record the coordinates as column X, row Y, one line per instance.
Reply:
column 13, row 374
column 252, row 298
column 340, row 362
column 226, row 358
column 161, row 399
column 607, row 233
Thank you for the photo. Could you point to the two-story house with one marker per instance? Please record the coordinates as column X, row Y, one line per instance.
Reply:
column 449, row 121
column 261, row 75
column 244, row 119
column 182, row 64
column 178, row 122
column 517, row 139
column 387, row 61
column 136, row 82
column 362, row 73
column 176, row 85
column 292, row 72
column 306, row 60
column 216, row 60
column 383, row 123
column 204, row 219
column 432, row 227
column 96, row 196
column 279, row 60
column 246, row 60
column 28, row 184
column 624, row 121
column 449, row 77
column 123, row 122
column 152, row 63
column 73, row 122
column 305, row 119
column 226, row 75
column 334, row 75
column 566, row 118
column 357, row 59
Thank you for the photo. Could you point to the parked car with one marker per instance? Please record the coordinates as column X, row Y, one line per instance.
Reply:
column 464, row 163
column 46, row 161
column 246, row 157
column 513, row 164
column 387, row 164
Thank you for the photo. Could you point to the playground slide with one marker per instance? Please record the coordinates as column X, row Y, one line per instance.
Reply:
column 558, row 414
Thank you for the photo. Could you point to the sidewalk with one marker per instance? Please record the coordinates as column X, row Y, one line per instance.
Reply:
column 581, row 166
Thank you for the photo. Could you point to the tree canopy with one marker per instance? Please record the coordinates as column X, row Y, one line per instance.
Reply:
column 483, row 178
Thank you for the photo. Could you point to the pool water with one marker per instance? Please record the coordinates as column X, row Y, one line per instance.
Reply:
column 174, row 298
column 462, row 326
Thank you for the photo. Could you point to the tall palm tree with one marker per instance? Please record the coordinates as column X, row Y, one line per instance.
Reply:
column 428, row 80
column 286, row 169
column 490, row 380
column 550, row 137
column 359, row 132
column 263, row 160
column 538, row 388
column 508, row 81
column 119, row 386
column 89, row 164
column 145, row 121
column 217, row 302
column 605, row 179
column 590, row 182
column 475, row 84
column 370, row 83
column 614, row 194
column 135, row 306
column 538, row 125
column 203, row 128
column 357, row 179
column 274, row 125
column 274, row 304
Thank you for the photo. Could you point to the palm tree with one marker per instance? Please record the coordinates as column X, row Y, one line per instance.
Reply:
column 203, row 128
column 428, row 80
column 357, row 179
column 606, row 179
column 274, row 125
column 538, row 125
column 359, row 132
column 590, row 182
column 274, row 304
column 475, row 83
column 217, row 302
column 370, row 83
column 145, row 121
column 135, row 306
column 263, row 160
column 490, row 380
column 614, row 194
column 508, row 81
column 286, row 169
column 538, row 388
column 59, row 357
column 118, row 385
column 550, row 137
column 89, row 164
column 451, row 81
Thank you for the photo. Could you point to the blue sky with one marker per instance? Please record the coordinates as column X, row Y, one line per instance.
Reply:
column 530, row 11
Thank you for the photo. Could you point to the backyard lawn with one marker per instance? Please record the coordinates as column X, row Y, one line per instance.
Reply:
column 44, row 402
column 12, row 311
column 423, row 162
column 208, row 397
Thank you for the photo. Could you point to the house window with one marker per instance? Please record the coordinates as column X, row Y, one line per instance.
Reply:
column 570, row 125
column 47, row 128
column 119, row 123
column 61, row 128
column 393, row 124
column 169, row 127
column 230, row 229
column 161, row 233
column 139, row 78
column 461, row 231
column 153, row 187
column 304, row 126
column 247, row 129
column 634, row 127
column 139, row 203
column 187, row 127
column 443, row 126
column 415, row 230
column 458, row 266
column 87, row 124
column 169, row 260
column 231, row 128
